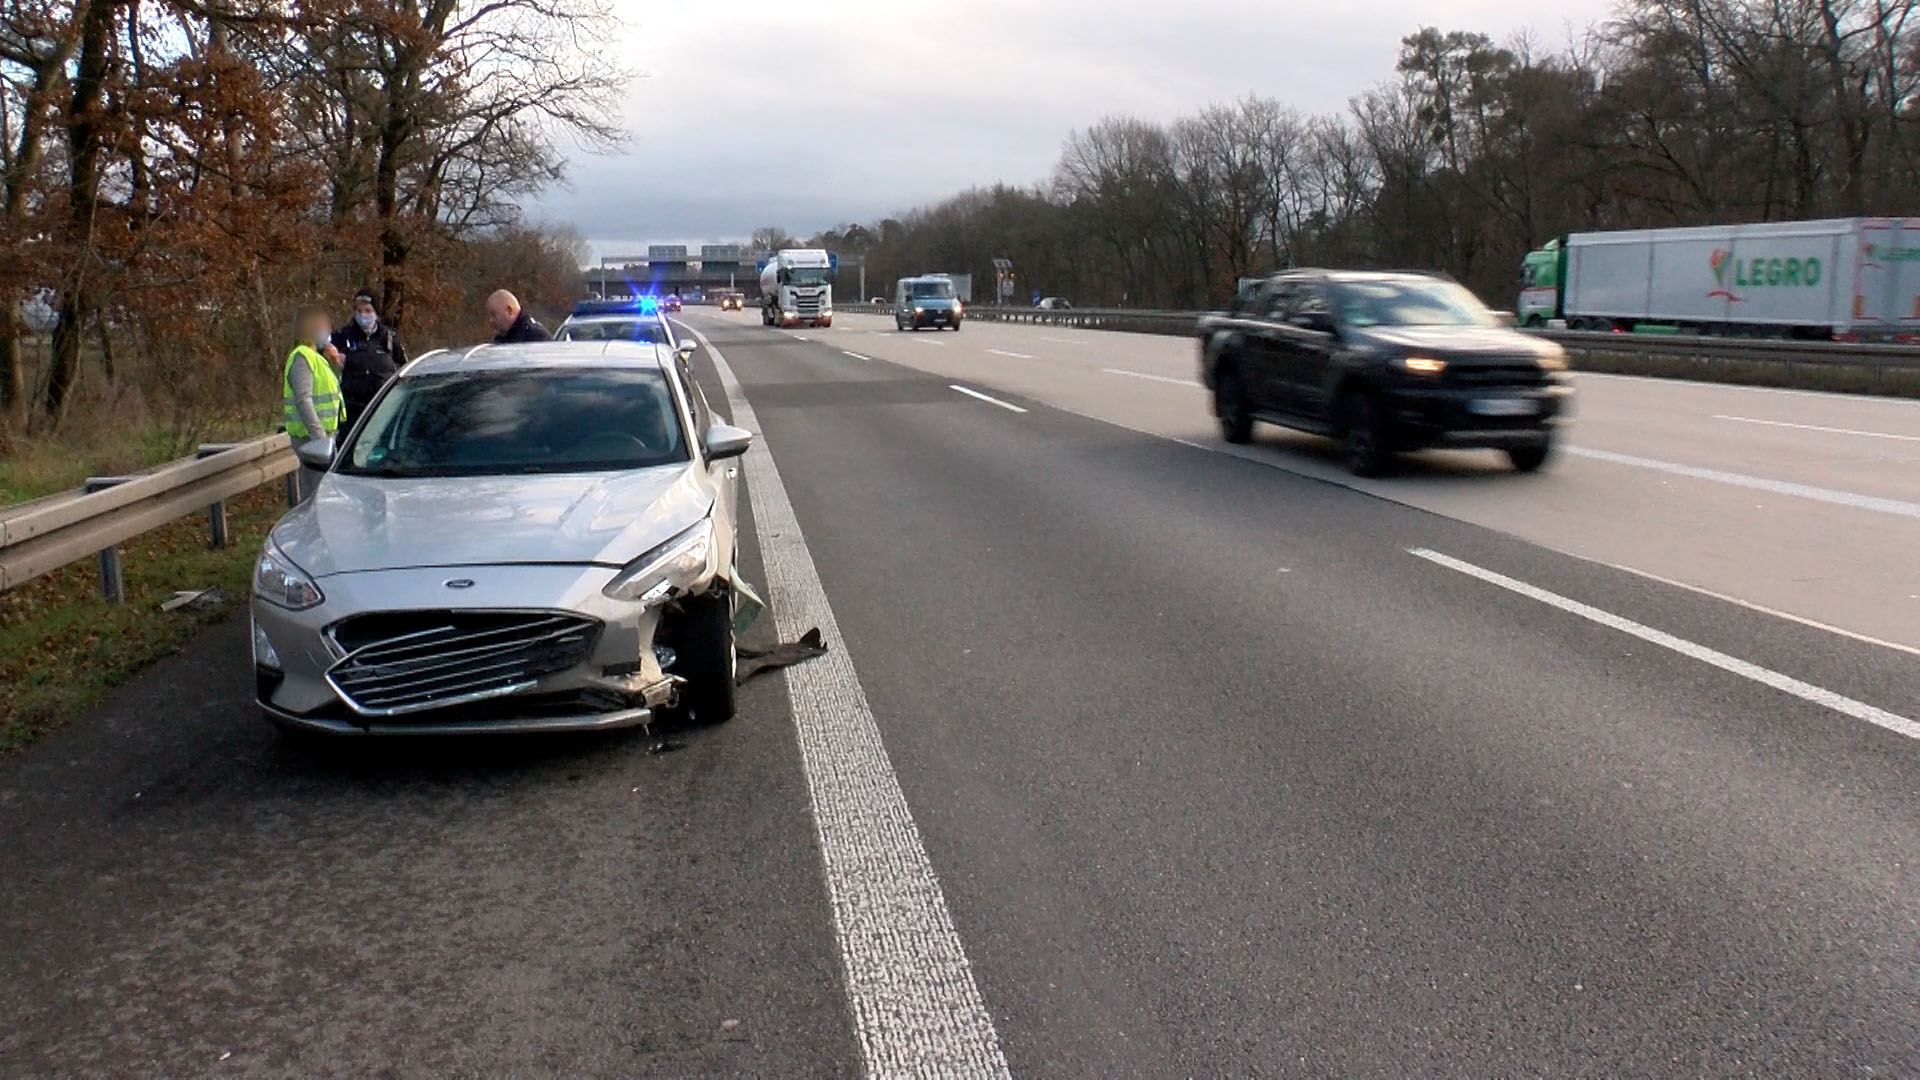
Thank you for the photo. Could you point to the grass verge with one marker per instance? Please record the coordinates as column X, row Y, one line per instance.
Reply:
column 62, row 648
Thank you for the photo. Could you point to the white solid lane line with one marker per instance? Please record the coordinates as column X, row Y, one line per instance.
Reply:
column 1064, row 341
column 983, row 397
column 1155, row 378
column 1817, row 427
column 1821, row 696
column 916, row 1008
column 1015, row 355
column 1757, row 483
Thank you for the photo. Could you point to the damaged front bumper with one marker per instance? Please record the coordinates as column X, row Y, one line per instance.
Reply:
column 525, row 649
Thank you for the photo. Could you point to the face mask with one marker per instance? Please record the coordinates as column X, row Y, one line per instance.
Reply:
column 366, row 321
column 321, row 339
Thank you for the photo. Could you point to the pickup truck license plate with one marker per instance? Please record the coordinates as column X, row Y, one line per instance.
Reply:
column 1502, row 406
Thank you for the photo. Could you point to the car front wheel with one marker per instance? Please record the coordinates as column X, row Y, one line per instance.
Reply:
column 706, row 658
column 1530, row 457
column 1367, row 443
column 1231, row 406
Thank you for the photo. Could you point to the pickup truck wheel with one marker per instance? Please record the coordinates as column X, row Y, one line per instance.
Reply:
column 1366, row 441
column 1230, row 405
column 1529, row 458
column 703, row 638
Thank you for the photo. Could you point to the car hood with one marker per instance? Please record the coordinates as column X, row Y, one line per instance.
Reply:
column 360, row 523
column 1451, row 342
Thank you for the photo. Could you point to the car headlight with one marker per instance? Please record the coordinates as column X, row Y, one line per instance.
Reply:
column 918, row 310
column 1420, row 365
column 279, row 582
column 956, row 307
column 654, row 578
column 1553, row 362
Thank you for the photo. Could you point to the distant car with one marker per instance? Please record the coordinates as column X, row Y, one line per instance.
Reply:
column 1054, row 303
column 1384, row 363
column 927, row 300
column 732, row 302
column 671, row 302
column 515, row 538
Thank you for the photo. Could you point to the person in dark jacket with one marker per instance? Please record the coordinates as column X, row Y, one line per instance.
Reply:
column 510, row 323
column 371, row 353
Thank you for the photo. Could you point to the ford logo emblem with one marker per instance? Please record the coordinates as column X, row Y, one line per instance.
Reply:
column 460, row 583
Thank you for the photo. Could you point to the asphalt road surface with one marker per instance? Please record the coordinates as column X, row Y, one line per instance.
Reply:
column 1136, row 755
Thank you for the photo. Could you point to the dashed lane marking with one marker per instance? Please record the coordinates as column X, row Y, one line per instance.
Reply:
column 1786, row 684
column 1819, row 428
column 1015, row 355
column 1757, row 483
column 986, row 398
column 1155, row 378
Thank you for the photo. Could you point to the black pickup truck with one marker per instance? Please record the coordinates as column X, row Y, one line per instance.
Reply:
column 1384, row 362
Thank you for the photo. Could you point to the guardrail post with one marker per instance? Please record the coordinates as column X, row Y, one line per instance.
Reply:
column 113, row 583
column 293, row 488
column 217, row 512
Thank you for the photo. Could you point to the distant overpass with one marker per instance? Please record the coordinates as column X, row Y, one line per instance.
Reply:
column 672, row 268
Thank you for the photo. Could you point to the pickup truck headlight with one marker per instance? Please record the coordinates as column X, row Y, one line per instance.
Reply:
column 281, row 583
column 1420, row 365
column 654, row 578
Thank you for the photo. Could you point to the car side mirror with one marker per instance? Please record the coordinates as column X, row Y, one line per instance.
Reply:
column 314, row 453
column 726, row 441
column 686, row 349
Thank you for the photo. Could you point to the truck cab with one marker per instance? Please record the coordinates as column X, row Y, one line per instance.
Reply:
column 925, row 300
column 1541, row 273
column 796, row 288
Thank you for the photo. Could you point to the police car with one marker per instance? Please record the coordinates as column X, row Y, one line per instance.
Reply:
column 618, row 318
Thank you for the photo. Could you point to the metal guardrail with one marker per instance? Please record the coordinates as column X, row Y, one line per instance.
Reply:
column 1878, row 357
column 43, row 535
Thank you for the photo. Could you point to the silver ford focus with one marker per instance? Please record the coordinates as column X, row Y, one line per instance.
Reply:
column 514, row 538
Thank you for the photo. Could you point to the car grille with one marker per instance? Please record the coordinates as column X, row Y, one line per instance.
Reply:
column 405, row 662
column 1523, row 373
column 807, row 305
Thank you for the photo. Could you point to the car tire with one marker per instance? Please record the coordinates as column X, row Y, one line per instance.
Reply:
column 1530, row 457
column 956, row 328
column 1366, row 441
column 1230, row 405
column 704, row 640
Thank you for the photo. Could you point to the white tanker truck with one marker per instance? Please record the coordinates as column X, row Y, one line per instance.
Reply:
column 796, row 288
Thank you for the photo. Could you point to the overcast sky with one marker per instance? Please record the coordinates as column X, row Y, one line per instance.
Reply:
column 809, row 114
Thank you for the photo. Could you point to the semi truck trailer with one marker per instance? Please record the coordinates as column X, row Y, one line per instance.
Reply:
column 796, row 288
column 1842, row 278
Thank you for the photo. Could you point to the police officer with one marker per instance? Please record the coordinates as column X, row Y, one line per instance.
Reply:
column 310, row 388
column 371, row 352
column 509, row 323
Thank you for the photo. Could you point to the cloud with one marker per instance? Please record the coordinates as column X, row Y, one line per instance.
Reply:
column 809, row 115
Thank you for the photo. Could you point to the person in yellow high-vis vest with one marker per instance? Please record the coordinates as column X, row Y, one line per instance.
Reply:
column 310, row 397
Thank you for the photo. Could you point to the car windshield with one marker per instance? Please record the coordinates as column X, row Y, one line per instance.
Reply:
column 807, row 275
column 488, row 423
column 934, row 290
column 1409, row 303
column 648, row 330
